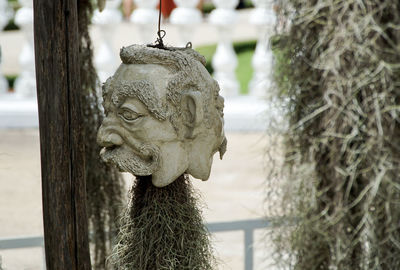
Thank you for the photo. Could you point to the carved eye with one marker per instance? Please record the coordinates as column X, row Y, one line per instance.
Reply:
column 129, row 115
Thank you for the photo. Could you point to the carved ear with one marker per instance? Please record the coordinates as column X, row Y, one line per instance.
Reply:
column 192, row 110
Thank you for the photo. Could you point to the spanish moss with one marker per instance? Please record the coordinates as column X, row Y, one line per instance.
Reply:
column 163, row 229
column 338, row 70
column 104, row 185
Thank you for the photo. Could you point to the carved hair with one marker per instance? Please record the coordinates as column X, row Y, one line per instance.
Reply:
column 190, row 75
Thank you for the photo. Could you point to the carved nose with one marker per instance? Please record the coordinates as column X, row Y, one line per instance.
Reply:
column 107, row 138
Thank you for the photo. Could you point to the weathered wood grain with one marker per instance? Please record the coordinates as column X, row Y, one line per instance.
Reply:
column 62, row 153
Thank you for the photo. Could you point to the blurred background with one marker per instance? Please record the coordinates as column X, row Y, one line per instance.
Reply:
column 233, row 36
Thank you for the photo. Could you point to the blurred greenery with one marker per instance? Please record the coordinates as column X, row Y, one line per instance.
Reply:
column 11, row 80
column 281, row 63
column 244, row 51
column 208, row 7
column 11, row 24
column 207, row 51
column 13, row 3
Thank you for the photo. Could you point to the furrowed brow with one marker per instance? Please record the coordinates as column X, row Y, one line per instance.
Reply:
column 143, row 91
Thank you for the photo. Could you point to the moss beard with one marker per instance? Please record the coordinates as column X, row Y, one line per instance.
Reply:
column 162, row 228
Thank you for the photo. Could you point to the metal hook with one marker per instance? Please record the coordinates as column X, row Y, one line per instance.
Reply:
column 159, row 43
column 160, row 33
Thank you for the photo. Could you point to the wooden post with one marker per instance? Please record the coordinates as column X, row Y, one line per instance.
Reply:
column 61, row 140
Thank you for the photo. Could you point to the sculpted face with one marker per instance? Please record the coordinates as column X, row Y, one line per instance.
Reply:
column 155, row 125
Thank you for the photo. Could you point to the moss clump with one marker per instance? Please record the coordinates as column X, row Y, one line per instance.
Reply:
column 104, row 185
column 340, row 79
column 163, row 229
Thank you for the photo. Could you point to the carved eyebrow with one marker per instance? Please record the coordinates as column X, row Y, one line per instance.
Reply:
column 142, row 90
column 131, row 107
column 106, row 86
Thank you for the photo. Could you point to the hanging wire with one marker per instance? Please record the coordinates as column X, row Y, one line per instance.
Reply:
column 159, row 43
column 160, row 33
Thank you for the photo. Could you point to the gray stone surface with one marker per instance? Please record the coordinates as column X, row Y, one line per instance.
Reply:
column 164, row 115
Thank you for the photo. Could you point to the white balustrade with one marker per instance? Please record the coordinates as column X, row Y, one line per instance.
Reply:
column 224, row 60
column 25, row 84
column 3, row 81
column 145, row 16
column 4, row 17
column 3, row 13
column 106, row 60
column 263, row 17
column 186, row 16
column 241, row 112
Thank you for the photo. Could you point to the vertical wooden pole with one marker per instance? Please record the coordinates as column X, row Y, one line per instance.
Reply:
column 61, row 140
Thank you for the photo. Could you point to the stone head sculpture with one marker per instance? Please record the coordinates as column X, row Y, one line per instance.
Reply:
column 163, row 115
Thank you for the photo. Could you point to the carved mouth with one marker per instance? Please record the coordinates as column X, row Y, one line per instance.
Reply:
column 142, row 160
column 107, row 149
column 110, row 148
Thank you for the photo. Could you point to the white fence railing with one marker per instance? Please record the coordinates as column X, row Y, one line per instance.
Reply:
column 247, row 226
column 186, row 23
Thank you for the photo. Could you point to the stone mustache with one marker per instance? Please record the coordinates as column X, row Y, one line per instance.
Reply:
column 163, row 115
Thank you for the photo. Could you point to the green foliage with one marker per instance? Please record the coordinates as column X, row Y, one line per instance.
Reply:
column 248, row 4
column 209, row 6
column 208, row 51
column 11, row 26
column 14, row 4
column 244, row 71
column 244, row 51
column 243, row 46
column 281, row 52
column 338, row 72
column 11, row 80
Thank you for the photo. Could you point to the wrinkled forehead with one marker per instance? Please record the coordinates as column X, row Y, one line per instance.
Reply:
column 145, row 82
column 156, row 75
